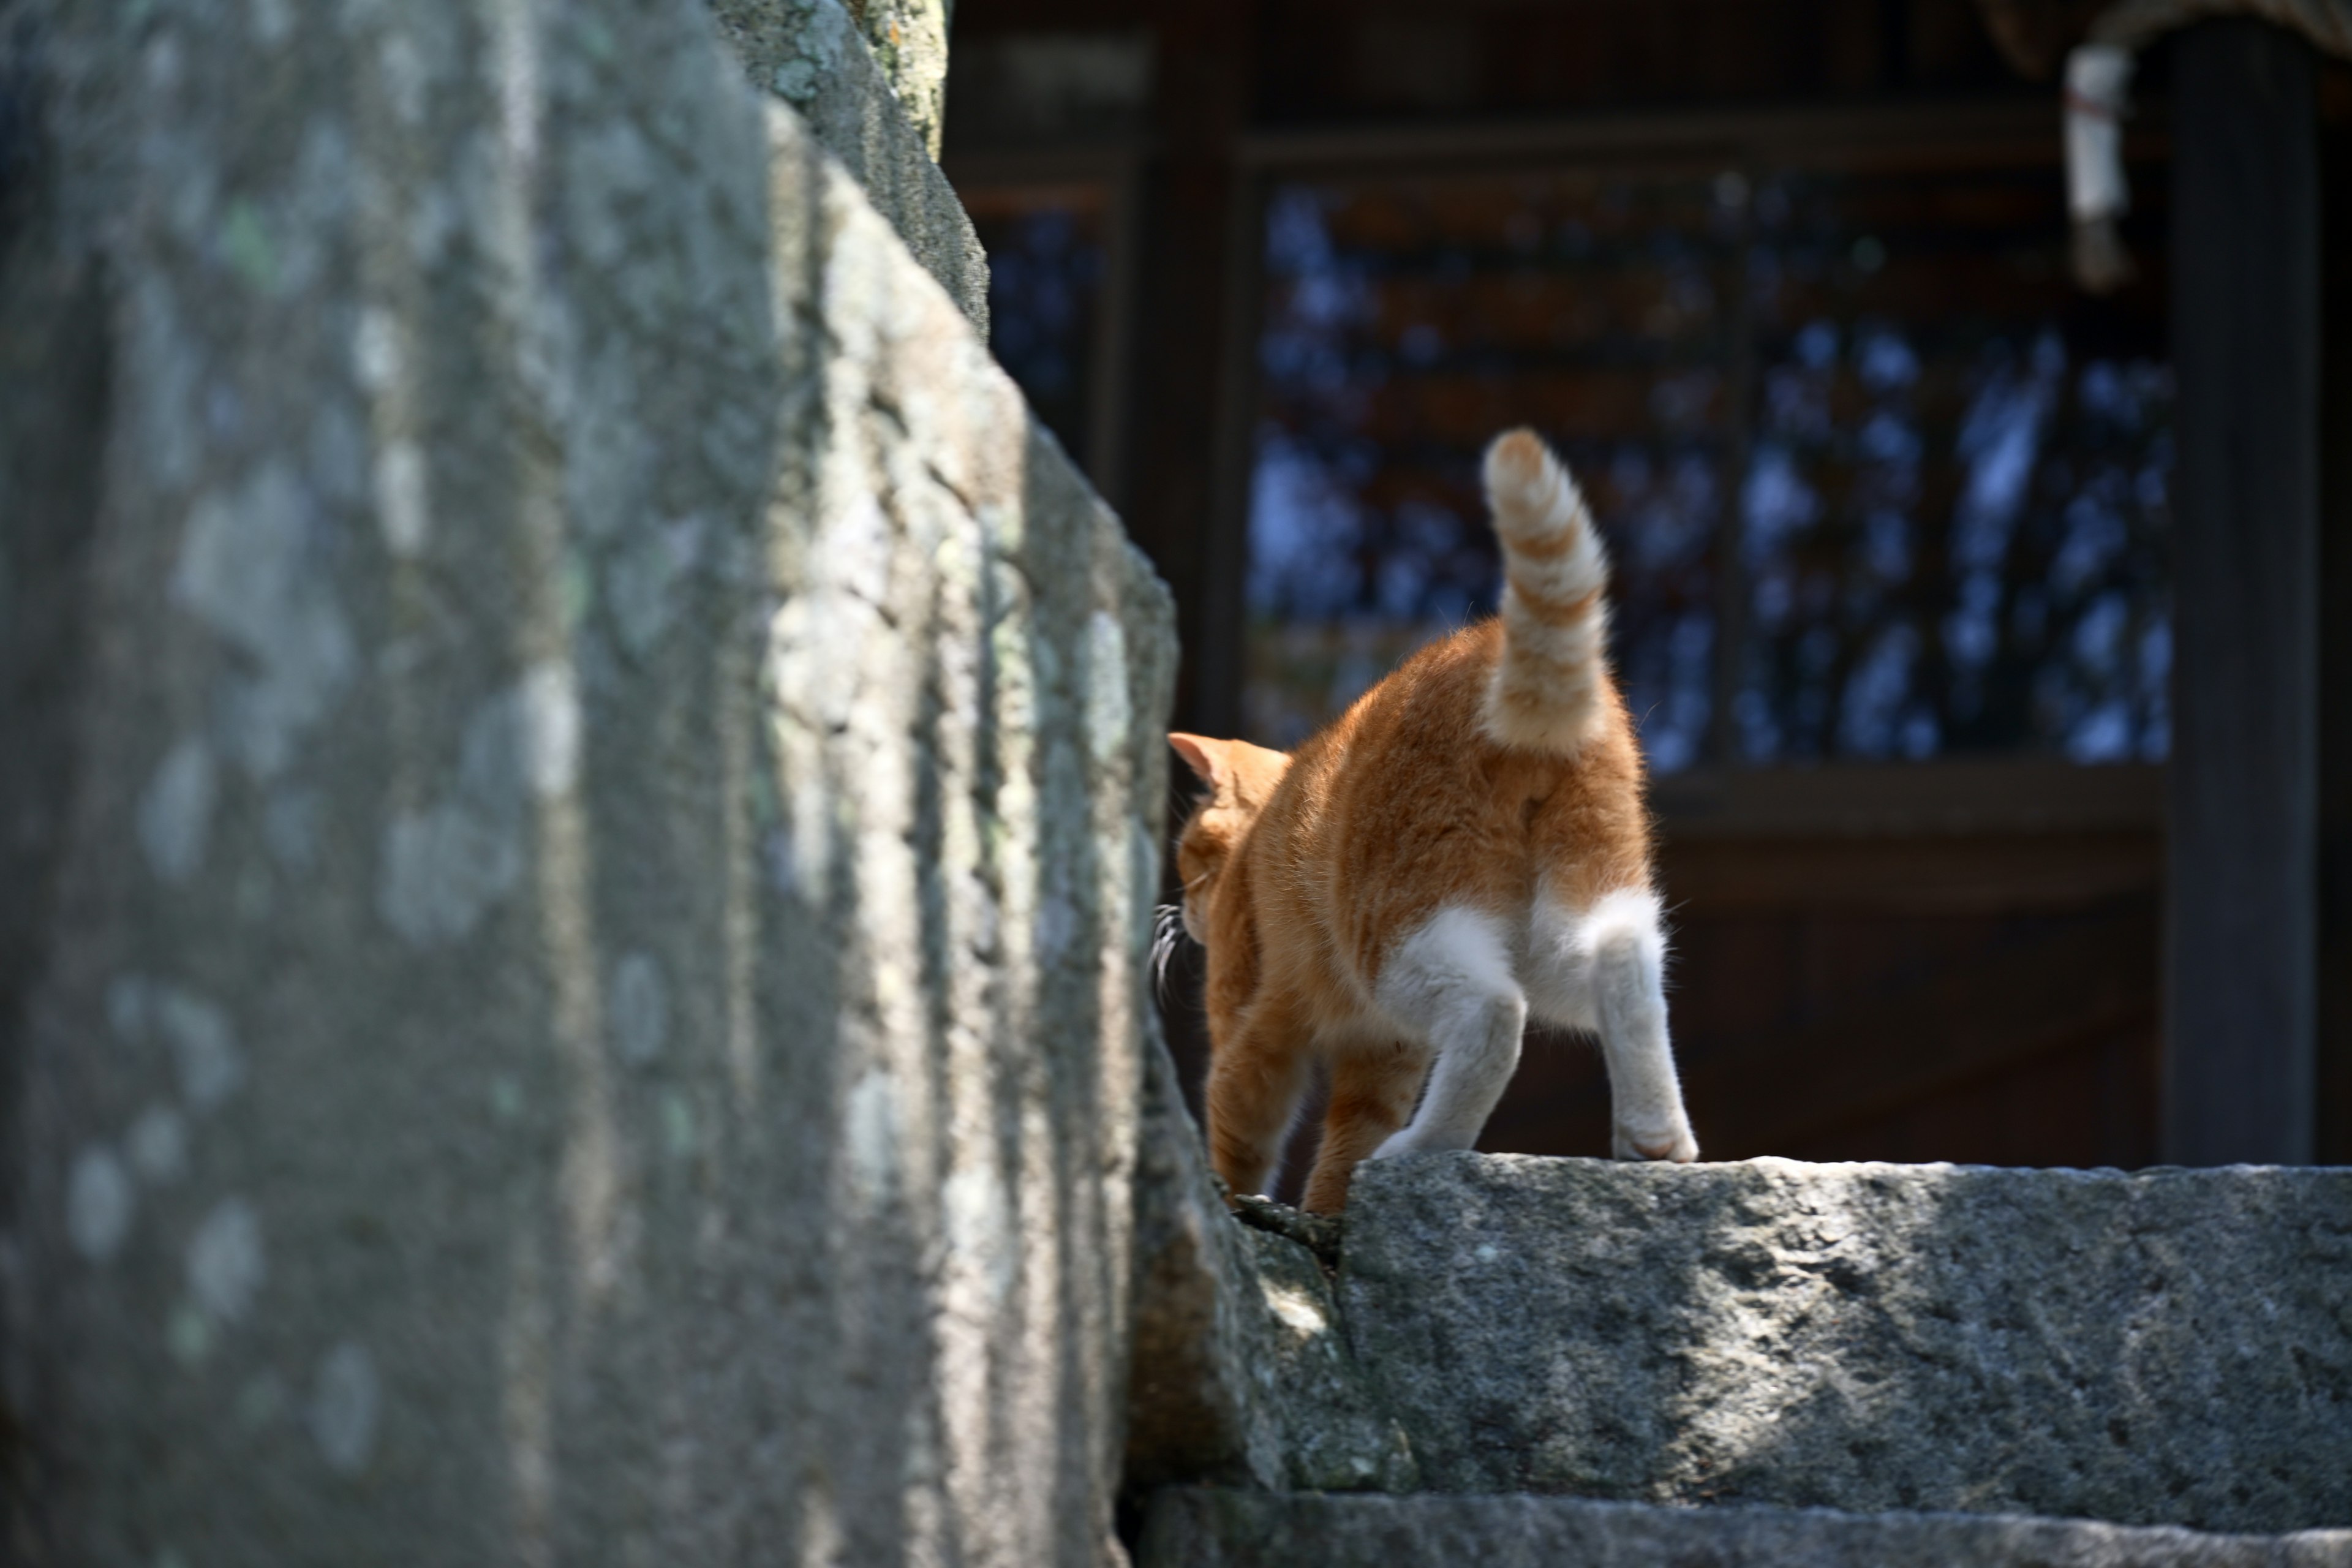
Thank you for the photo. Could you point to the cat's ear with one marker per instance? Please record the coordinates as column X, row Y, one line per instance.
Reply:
column 1212, row 760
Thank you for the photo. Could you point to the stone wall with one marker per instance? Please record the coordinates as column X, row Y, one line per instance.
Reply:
column 2165, row 1347
column 879, row 112
column 1765, row 1365
column 910, row 41
column 577, row 826
column 1205, row 1529
column 1242, row 1372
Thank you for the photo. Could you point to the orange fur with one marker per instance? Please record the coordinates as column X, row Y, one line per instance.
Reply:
column 1307, row 875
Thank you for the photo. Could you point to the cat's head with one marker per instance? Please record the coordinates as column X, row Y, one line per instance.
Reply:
column 1240, row 779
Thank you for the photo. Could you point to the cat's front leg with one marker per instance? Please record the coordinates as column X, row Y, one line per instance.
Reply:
column 1373, row 1090
column 1257, row 1075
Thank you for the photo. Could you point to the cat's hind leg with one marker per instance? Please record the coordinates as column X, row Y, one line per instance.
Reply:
column 1620, row 943
column 1450, row 983
column 1373, row 1087
column 1258, row 1077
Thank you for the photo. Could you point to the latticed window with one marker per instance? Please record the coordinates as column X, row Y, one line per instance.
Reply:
column 1048, row 244
column 1879, row 482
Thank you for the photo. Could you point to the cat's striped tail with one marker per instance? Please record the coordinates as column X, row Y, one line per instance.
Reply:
column 1546, row 690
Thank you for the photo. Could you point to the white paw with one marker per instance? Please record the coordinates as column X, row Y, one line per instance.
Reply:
column 1672, row 1143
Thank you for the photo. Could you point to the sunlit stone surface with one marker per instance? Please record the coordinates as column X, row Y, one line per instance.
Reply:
column 2171, row 1347
column 581, row 796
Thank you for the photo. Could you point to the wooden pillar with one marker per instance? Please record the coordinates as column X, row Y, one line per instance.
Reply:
column 1190, row 265
column 2241, row 922
column 2335, row 1119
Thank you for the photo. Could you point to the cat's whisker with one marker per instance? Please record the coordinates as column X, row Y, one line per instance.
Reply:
column 1167, row 931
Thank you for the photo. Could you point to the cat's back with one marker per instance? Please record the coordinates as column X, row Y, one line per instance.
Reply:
column 1408, row 735
column 1404, row 804
column 1420, row 731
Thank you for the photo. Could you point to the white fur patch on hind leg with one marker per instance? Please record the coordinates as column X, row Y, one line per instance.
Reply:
column 1622, row 941
column 1450, row 983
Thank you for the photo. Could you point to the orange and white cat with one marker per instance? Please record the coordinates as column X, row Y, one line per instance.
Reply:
column 1466, row 846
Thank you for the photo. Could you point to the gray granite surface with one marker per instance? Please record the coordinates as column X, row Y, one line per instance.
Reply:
column 581, row 796
column 1189, row 1528
column 2170, row 1347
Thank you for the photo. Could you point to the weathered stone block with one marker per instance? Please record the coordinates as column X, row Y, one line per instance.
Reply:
column 2173, row 1347
column 582, row 794
column 909, row 40
column 1206, row 1529
column 1240, row 1365
column 880, row 118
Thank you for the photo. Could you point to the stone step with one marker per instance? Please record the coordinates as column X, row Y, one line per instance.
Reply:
column 2165, row 1348
column 1200, row 1527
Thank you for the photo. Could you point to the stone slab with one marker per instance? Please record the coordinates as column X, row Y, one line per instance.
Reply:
column 582, row 804
column 1202, row 1528
column 2171, row 1347
column 909, row 40
column 813, row 55
column 1240, row 1370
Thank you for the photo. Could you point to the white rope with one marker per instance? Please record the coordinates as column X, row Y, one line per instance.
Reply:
column 2099, row 86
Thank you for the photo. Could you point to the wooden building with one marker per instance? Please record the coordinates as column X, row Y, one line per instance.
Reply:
column 1975, row 622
